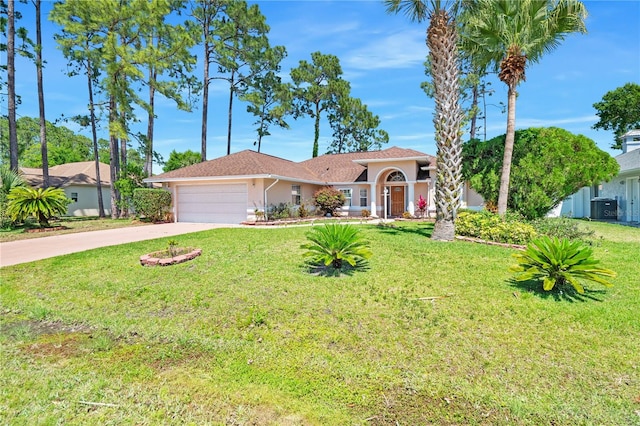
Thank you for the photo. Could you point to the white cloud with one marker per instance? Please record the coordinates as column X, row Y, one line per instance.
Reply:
column 402, row 49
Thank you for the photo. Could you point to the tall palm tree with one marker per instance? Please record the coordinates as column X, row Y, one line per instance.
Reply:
column 508, row 35
column 442, row 41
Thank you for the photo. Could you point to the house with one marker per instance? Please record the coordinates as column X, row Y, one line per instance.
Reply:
column 622, row 192
column 79, row 182
column 232, row 189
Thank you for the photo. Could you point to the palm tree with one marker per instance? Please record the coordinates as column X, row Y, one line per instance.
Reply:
column 442, row 41
column 508, row 35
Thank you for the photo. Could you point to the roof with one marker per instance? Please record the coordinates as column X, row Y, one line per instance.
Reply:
column 629, row 161
column 631, row 133
column 328, row 168
column 81, row 173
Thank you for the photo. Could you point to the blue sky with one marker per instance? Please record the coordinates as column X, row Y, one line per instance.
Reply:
column 382, row 57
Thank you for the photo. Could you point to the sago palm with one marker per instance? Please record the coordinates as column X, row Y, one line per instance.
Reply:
column 508, row 35
column 41, row 203
column 558, row 263
column 336, row 245
column 442, row 41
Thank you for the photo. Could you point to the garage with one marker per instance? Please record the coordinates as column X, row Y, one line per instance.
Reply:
column 212, row 203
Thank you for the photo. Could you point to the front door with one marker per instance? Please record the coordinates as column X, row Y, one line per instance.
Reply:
column 397, row 200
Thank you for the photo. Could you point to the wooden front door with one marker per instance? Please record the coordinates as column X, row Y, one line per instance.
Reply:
column 397, row 200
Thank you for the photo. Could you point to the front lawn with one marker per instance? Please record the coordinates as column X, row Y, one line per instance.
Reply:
column 70, row 225
column 431, row 333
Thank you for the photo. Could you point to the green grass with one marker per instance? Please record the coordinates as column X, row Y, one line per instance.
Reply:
column 244, row 335
column 71, row 225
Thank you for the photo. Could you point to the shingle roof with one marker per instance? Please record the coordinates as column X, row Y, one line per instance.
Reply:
column 243, row 163
column 629, row 161
column 325, row 168
column 80, row 173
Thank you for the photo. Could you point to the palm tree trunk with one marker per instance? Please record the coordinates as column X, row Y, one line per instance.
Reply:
column 442, row 38
column 503, row 195
column 43, row 121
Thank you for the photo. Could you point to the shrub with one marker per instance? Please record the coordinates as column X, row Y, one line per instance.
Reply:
column 328, row 200
column 280, row 211
column 302, row 211
column 334, row 244
column 407, row 215
column 559, row 262
column 365, row 213
column 422, row 206
column 492, row 227
column 24, row 201
column 8, row 180
column 154, row 204
column 562, row 227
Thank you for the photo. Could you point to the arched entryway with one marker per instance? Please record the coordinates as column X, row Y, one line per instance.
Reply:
column 396, row 185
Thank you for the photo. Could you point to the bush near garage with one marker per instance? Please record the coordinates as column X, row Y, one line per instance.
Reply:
column 153, row 204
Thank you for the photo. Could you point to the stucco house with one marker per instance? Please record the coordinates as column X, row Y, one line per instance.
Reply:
column 79, row 182
column 621, row 192
column 231, row 189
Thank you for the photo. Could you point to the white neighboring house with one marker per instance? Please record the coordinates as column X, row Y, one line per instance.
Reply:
column 623, row 188
column 78, row 180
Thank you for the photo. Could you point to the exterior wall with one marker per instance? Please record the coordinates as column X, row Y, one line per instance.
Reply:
column 471, row 199
column 625, row 188
column 87, row 204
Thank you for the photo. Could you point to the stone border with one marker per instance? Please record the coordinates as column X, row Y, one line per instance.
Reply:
column 150, row 260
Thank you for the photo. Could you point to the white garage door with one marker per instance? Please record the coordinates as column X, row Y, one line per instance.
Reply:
column 212, row 203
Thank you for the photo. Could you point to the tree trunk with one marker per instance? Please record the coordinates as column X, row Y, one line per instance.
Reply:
column 230, row 112
column 148, row 152
column 503, row 195
column 94, row 135
column 474, row 111
column 11, row 86
column 316, row 134
column 205, row 95
column 444, row 230
column 114, row 160
column 442, row 40
column 43, row 121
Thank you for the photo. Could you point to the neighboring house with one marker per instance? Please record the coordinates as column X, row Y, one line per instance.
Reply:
column 234, row 188
column 78, row 180
column 624, row 189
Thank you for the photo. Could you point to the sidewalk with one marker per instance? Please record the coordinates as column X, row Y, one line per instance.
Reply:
column 23, row 251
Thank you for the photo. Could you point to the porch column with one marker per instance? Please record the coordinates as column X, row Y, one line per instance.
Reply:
column 411, row 208
column 372, row 196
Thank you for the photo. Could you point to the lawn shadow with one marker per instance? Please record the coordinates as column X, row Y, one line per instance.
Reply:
column 424, row 229
column 323, row 270
column 566, row 293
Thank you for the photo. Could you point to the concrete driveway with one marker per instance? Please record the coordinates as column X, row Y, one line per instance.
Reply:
column 15, row 252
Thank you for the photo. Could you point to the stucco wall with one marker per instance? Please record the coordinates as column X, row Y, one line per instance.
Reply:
column 87, row 204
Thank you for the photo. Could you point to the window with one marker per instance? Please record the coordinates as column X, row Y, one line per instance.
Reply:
column 363, row 197
column 296, row 195
column 74, row 197
column 347, row 196
column 396, row 177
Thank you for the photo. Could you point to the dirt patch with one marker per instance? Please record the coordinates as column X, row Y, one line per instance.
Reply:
column 166, row 258
column 48, row 229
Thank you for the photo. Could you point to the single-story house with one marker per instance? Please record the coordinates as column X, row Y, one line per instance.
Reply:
column 234, row 188
column 79, row 182
column 618, row 199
